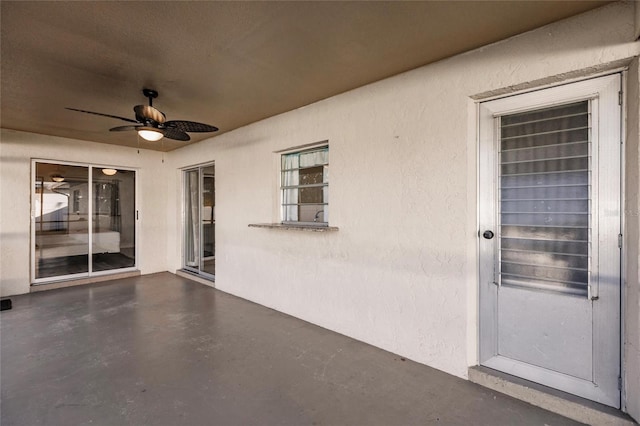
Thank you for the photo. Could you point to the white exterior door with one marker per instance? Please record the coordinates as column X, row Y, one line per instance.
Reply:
column 549, row 228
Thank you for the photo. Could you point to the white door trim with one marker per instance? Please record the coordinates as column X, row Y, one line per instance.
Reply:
column 604, row 387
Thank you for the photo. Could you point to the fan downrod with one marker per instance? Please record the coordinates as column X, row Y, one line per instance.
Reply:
column 151, row 94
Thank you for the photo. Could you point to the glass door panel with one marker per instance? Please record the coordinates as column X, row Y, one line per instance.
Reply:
column 199, row 221
column 208, row 221
column 192, row 220
column 61, row 213
column 114, row 214
column 84, row 220
column 545, row 199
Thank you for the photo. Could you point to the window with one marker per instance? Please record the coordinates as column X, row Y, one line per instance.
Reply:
column 305, row 187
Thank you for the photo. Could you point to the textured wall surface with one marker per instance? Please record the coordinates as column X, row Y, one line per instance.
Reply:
column 401, row 271
column 16, row 151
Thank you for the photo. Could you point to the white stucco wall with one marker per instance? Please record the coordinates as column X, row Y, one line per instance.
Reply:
column 16, row 151
column 401, row 271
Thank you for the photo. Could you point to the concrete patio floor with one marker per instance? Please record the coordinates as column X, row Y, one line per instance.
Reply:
column 163, row 350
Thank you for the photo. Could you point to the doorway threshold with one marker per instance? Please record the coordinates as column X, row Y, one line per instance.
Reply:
column 565, row 404
column 81, row 281
column 195, row 277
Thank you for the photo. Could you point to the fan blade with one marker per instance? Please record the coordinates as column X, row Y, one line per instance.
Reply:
column 190, row 126
column 149, row 112
column 123, row 128
column 104, row 115
column 176, row 134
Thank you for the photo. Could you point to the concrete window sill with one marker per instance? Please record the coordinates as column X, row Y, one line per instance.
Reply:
column 308, row 228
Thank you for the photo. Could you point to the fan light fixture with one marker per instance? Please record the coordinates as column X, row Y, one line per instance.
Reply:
column 150, row 134
column 57, row 178
column 109, row 172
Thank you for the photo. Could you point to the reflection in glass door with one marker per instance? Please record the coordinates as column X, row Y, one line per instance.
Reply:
column 61, row 207
column 114, row 213
column 83, row 220
column 199, row 221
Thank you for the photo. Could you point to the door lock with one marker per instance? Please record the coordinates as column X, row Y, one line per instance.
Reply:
column 487, row 235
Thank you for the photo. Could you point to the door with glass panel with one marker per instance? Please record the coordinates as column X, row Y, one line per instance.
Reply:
column 83, row 221
column 549, row 237
column 199, row 221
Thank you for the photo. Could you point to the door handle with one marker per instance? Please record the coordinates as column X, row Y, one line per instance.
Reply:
column 487, row 234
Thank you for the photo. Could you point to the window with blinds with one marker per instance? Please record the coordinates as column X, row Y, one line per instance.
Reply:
column 545, row 199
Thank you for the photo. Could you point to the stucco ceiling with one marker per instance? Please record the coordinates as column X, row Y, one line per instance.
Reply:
column 225, row 63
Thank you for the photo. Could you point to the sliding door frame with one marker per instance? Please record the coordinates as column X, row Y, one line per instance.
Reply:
column 32, row 240
column 201, row 176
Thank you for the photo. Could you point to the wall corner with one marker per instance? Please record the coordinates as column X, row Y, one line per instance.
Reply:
column 631, row 275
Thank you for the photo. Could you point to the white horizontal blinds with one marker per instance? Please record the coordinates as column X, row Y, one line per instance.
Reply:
column 305, row 186
column 545, row 217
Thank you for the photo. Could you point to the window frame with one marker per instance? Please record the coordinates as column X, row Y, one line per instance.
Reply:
column 282, row 187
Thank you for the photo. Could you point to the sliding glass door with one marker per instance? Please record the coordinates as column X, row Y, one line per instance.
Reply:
column 83, row 221
column 199, row 221
column 114, row 217
column 61, row 210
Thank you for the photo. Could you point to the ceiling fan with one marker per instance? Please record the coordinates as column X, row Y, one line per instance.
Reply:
column 152, row 125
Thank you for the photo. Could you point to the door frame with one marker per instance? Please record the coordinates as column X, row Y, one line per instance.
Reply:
column 90, row 273
column 201, row 176
column 487, row 292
